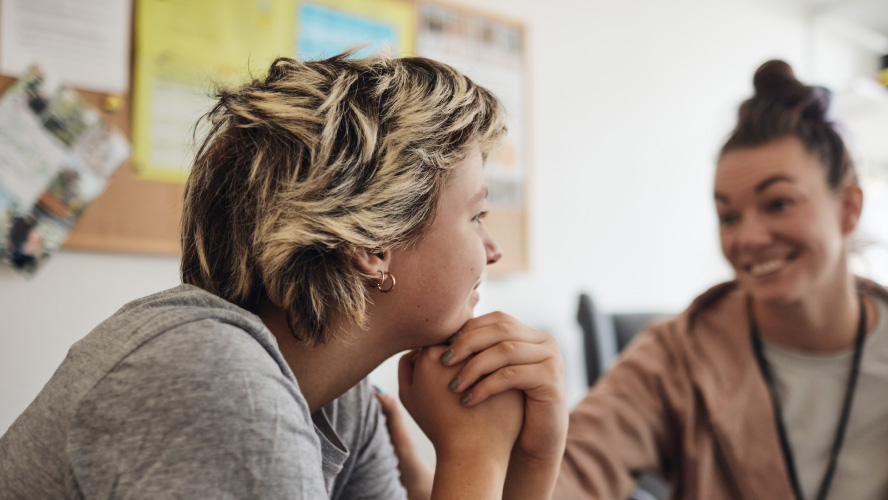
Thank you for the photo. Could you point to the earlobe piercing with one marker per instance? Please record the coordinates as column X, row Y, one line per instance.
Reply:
column 379, row 283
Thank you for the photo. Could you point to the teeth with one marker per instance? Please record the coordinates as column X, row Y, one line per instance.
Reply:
column 766, row 267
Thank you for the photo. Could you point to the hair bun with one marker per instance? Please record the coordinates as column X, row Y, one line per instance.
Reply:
column 785, row 107
column 775, row 77
column 774, row 81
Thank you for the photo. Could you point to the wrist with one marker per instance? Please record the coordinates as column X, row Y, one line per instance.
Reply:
column 553, row 457
column 531, row 476
column 464, row 474
column 474, row 452
column 474, row 456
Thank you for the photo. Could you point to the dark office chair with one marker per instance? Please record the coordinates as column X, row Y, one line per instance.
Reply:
column 621, row 328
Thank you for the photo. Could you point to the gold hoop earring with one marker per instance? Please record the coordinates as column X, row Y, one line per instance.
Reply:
column 380, row 282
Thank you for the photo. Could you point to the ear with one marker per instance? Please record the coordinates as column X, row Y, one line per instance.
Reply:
column 370, row 261
column 852, row 206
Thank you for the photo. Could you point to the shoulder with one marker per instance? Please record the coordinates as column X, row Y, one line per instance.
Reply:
column 211, row 345
column 206, row 363
column 182, row 357
column 719, row 309
column 198, row 406
column 872, row 288
column 703, row 335
column 179, row 338
column 184, row 329
column 721, row 299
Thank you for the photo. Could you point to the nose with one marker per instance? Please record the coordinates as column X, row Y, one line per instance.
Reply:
column 493, row 250
column 751, row 233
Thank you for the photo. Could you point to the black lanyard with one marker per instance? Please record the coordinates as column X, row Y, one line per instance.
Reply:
column 846, row 408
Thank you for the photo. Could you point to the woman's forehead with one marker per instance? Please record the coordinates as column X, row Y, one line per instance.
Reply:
column 754, row 166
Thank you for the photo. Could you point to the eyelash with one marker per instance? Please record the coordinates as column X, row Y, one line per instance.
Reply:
column 480, row 216
column 727, row 219
column 775, row 206
column 779, row 204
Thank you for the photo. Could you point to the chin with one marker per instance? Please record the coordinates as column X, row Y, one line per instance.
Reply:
column 458, row 322
column 773, row 293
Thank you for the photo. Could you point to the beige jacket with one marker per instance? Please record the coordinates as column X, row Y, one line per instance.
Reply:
column 687, row 400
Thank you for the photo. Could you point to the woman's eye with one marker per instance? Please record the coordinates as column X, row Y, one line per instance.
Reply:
column 728, row 219
column 778, row 205
column 479, row 216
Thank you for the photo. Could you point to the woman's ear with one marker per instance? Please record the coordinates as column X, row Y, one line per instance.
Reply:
column 372, row 261
column 852, row 206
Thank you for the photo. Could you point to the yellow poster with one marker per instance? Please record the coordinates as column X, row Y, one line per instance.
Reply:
column 185, row 47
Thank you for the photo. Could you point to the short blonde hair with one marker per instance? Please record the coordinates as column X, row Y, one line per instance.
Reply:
column 316, row 161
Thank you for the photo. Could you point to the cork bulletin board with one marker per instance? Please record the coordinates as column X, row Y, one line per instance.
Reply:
column 131, row 215
column 491, row 50
column 140, row 215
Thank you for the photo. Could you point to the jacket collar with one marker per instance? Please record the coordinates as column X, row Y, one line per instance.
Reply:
column 734, row 394
column 733, row 391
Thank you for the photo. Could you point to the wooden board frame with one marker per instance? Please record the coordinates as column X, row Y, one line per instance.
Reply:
column 141, row 216
column 510, row 227
column 131, row 215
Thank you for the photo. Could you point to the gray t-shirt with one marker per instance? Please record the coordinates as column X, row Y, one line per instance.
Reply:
column 811, row 390
column 184, row 395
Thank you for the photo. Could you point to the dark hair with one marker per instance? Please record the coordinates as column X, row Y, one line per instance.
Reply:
column 316, row 161
column 785, row 107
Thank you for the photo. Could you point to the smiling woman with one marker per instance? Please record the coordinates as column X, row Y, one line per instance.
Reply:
column 769, row 386
column 444, row 269
column 783, row 227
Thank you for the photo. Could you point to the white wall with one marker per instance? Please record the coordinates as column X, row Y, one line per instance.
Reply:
column 631, row 101
column 41, row 317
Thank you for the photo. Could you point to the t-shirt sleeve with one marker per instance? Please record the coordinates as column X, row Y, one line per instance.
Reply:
column 200, row 412
column 375, row 473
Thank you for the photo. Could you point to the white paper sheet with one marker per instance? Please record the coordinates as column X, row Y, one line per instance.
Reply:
column 84, row 43
column 56, row 155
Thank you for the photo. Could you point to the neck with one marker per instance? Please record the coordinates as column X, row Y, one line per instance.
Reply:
column 820, row 323
column 327, row 371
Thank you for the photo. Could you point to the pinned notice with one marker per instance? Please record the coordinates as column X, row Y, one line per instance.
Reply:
column 56, row 154
column 85, row 43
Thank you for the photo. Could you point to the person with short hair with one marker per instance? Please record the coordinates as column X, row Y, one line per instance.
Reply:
column 334, row 216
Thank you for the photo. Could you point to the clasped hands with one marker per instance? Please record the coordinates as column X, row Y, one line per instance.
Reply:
column 492, row 403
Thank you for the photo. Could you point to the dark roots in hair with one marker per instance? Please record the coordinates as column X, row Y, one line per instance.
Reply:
column 316, row 161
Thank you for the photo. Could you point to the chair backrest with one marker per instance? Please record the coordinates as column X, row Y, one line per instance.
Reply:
column 586, row 315
column 621, row 327
column 628, row 325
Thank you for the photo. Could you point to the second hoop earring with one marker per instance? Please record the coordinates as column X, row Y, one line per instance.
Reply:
column 383, row 277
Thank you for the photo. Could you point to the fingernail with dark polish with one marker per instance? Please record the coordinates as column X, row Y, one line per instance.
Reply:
column 465, row 399
column 454, row 383
column 454, row 337
column 447, row 356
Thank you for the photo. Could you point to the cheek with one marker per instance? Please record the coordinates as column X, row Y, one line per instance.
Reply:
column 468, row 251
column 480, row 254
column 828, row 244
column 820, row 231
column 725, row 241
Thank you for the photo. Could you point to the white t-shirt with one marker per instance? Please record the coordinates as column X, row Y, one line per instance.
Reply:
column 811, row 391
